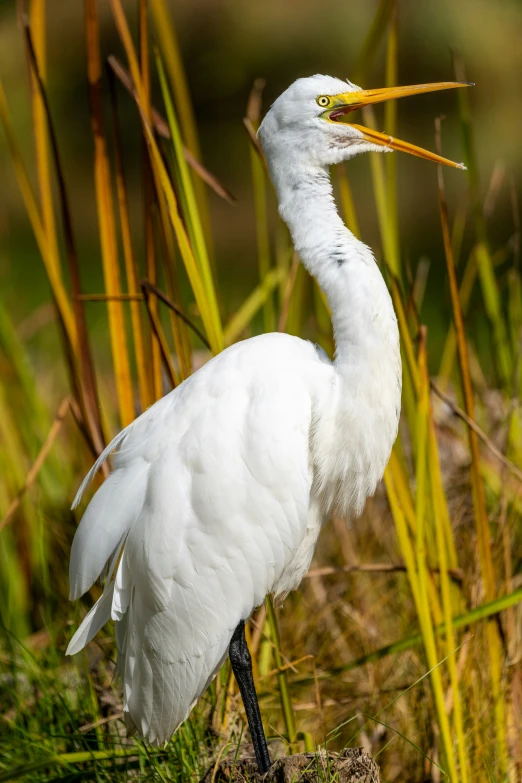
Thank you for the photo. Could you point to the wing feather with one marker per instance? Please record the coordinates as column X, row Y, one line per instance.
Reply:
column 104, row 456
column 93, row 621
column 105, row 523
column 211, row 522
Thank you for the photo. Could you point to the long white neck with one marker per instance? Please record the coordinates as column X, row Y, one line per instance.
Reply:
column 364, row 322
column 354, row 435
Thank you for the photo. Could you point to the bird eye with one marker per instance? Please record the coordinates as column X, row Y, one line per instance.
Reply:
column 323, row 100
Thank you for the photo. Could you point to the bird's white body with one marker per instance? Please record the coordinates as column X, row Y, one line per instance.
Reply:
column 220, row 489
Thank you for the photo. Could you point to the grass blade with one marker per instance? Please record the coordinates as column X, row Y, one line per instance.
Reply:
column 212, row 327
column 386, row 227
column 479, row 501
column 179, row 313
column 162, row 341
column 192, row 217
column 390, row 124
column 146, row 397
column 35, row 468
column 178, row 324
column 41, row 139
column 162, row 129
column 174, row 65
column 106, row 219
column 441, row 523
column 149, row 199
column 347, row 202
column 373, row 719
column 66, row 759
column 483, row 612
column 50, row 262
column 416, row 562
column 253, row 115
column 286, row 703
column 252, row 304
column 373, row 38
column 86, row 381
column 170, row 48
column 490, row 291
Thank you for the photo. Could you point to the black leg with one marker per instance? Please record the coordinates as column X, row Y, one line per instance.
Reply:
column 242, row 668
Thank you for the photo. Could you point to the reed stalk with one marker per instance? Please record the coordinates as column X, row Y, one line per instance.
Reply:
column 479, row 501
column 286, row 703
column 104, row 201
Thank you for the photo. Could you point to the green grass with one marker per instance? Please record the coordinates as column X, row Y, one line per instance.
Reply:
column 48, row 708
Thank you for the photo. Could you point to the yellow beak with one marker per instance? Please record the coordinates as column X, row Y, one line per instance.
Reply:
column 344, row 103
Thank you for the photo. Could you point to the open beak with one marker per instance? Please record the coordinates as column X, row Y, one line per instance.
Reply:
column 344, row 103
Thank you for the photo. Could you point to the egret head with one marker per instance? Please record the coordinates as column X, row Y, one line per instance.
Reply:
column 310, row 124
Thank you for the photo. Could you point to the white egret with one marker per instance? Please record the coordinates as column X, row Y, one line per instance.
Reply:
column 219, row 490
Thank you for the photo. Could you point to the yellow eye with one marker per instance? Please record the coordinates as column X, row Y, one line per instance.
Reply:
column 323, row 100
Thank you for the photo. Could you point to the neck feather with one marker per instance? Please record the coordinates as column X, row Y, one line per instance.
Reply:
column 352, row 440
column 364, row 322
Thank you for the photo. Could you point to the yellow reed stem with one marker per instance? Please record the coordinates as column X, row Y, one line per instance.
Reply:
column 192, row 216
column 286, row 702
column 441, row 519
column 390, row 124
column 252, row 304
column 41, row 136
column 151, row 264
column 105, row 209
column 213, row 329
column 169, row 46
column 347, row 202
column 479, row 500
column 51, row 263
column 179, row 328
column 131, row 269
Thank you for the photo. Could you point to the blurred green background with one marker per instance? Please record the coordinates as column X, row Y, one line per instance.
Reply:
column 226, row 44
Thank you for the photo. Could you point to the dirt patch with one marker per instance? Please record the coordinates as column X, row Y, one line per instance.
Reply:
column 352, row 765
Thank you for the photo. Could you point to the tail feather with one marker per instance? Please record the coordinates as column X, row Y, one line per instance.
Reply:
column 93, row 621
column 115, row 442
column 159, row 691
column 107, row 520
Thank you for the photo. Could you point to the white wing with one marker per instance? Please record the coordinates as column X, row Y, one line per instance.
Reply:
column 211, row 492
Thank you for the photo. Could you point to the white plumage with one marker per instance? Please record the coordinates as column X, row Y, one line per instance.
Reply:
column 219, row 491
